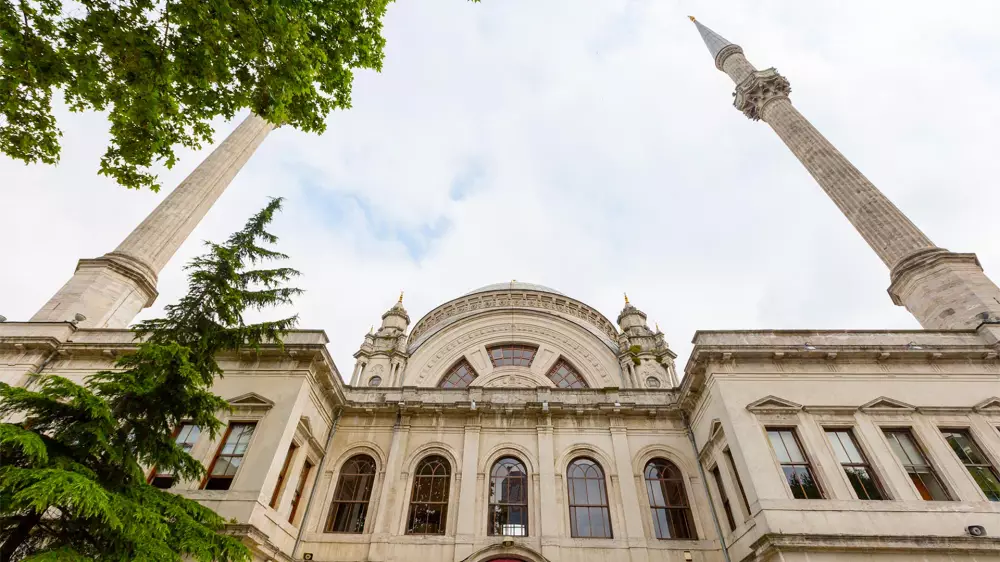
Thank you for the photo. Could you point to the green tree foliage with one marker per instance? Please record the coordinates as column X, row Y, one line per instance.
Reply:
column 163, row 69
column 72, row 478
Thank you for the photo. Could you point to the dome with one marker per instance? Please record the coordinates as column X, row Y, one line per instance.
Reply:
column 514, row 286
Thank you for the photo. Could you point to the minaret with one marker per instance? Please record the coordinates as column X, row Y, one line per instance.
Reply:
column 109, row 291
column 942, row 289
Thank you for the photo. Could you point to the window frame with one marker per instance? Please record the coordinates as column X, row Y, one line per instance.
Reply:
column 505, row 507
column 513, row 347
column 365, row 505
column 735, row 475
column 866, row 463
column 454, row 367
column 279, row 486
column 218, row 453
column 807, row 462
column 606, row 506
column 727, row 506
column 684, row 511
column 931, row 468
column 445, row 505
column 154, row 475
column 300, row 492
column 560, row 361
column 987, row 464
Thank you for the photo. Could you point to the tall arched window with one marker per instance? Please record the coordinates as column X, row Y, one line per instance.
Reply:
column 508, row 511
column 461, row 375
column 563, row 375
column 588, row 500
column 429, row 500
column 350, row 500
column 668, row 500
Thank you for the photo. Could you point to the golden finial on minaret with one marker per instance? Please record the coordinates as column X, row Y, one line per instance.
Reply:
column 691, row 18
column 626, row 298
column 401, row 297
column 371, row 328
column 657, row 326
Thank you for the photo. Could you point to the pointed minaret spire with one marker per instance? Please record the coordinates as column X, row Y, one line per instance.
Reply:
column 942, row 289
column 109, row 291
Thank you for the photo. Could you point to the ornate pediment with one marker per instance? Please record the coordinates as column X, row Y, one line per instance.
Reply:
column 773, row 404
column 991, row 405
column 715, row 428
column 886, row 404
column 250, row 401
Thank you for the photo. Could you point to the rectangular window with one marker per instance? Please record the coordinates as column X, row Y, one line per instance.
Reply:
column 230, row 456
column 916, row 465
column 739, row 483
column 299, row 489
column 795, row 465
column 855, row 465
column 186, row 435
column 725, row 498
column 975, row 461
column 282, row 476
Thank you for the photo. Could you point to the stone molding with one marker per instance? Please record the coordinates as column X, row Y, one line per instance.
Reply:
column 912, row 265
column 759, row 89
column 509, row 299
column 771, row 544
column 724, row 53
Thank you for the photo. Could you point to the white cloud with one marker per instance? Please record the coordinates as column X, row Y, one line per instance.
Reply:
column 589, row 146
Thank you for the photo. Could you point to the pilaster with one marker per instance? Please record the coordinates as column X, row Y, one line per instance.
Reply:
column 466, row 531
column 389, row 502
column 550, row 524
column 626, row 483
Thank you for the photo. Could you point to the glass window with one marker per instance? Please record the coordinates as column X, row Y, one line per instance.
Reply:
column 186, row 435
column 975, row 461
column 512, row 355
column 916, row 465
column 300, row 488
column 589, row 515
column 668, row 500
column 229, row 456
column 375, row 381
column 855, row 465
column 717, row 475
column 429, row 499
column 565, row 376
column 508, row 510
column 282, row 476
column 460, row 376
column 798, row 472
column 350, row 500
column 736, row 476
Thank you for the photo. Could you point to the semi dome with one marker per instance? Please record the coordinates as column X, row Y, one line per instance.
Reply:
column 514, row 286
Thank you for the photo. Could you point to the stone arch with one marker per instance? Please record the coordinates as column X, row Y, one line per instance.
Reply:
column 410, row 464
column 585, row 450
column 508, row 449
column 359, row 448
column 498, row 551
column 332, row 476
column 611, row 477
column 639, row 462
column 519, row 377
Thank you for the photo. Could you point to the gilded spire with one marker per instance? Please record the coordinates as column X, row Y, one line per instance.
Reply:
column 401, row 297
column 626, row 298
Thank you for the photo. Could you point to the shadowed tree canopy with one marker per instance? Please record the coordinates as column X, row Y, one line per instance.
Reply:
column 163, row 69
column 74, row 458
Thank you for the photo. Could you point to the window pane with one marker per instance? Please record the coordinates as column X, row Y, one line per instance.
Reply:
column 987, row 481
column 779, row 446
column 863, row 483
column 792, row 445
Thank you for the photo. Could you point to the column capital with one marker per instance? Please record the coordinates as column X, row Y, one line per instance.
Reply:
column 759, row 89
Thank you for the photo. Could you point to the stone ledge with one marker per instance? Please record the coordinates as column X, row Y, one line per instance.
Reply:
column 773, row 543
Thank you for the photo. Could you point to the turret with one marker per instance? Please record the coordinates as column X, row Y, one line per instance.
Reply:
column 646, row 359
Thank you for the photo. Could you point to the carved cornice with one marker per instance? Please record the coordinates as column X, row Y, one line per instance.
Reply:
column 759, row 89
column 125, row 265
column 768, row 545
column 724, row 53
column 507, row 299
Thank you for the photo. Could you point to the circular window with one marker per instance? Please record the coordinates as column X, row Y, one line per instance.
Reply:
column 652, row 382
column 375, row 381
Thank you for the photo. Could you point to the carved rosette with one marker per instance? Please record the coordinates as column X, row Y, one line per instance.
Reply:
column 758, row 90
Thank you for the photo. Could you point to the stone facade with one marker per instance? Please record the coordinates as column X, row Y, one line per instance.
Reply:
column 775, row 446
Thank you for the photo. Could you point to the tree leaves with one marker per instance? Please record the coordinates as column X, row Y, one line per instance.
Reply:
column 73, row 477
column 163, row 71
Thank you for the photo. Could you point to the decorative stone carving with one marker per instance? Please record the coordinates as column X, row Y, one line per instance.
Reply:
column 758, row 90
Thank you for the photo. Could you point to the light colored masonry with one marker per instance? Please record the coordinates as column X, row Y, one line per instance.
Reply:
column 518, row 423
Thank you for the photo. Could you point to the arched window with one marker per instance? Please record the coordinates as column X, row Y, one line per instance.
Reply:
column 512, row 355
column 460, row 376
column 429, row 500
column 508, row 511
column 588, row 500
column 350, row 500
column 668, row 500
column 563, row 375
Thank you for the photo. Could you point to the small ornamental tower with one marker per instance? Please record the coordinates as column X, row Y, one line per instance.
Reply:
column 944, row 290
column 382, row 357
column 645, row 357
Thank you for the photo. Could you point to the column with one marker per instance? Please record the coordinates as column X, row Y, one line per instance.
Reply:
column 465, row 530
column 550, row 523
column 626, row 483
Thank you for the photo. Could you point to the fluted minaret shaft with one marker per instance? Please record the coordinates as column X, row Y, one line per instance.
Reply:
column 108, row 292
column 942, row 289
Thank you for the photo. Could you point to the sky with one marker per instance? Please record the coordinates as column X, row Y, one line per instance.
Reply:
column 586, row 145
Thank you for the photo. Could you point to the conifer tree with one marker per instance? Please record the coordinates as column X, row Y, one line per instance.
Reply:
column 73, row 465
